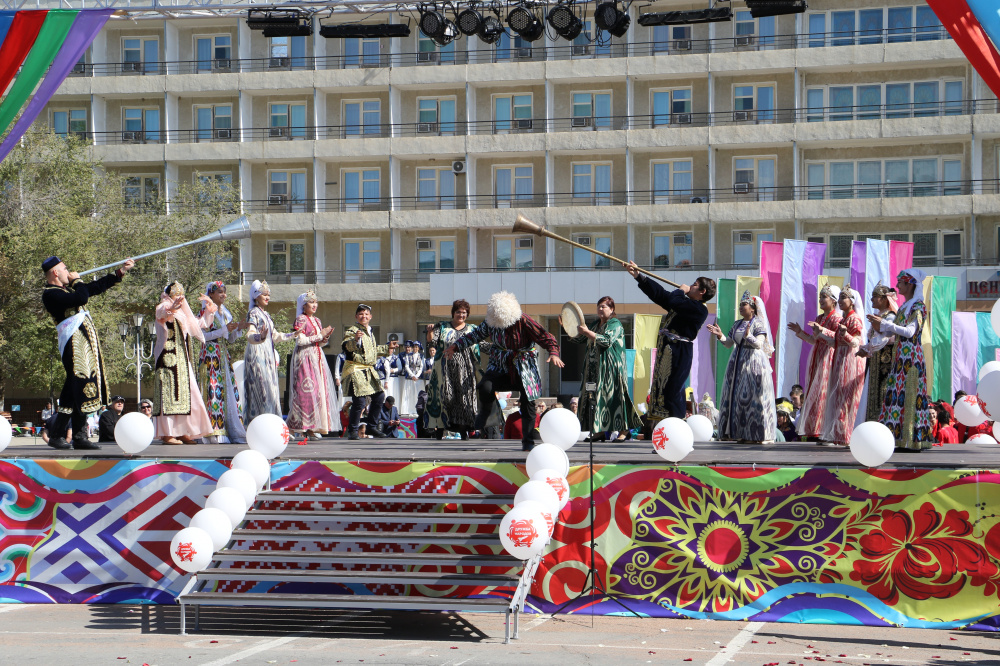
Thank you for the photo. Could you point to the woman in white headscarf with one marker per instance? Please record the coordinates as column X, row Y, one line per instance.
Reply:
column 312, row 397
column 746, row 405
column 906, row 408
column 215, row 370
column 179, row 413
column 847, row 373
column 813, row 415
column 260, row 367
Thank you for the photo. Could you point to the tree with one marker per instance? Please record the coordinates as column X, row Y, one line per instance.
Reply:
column 55, row 199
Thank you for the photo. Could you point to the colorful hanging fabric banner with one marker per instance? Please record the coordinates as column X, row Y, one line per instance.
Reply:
column 17, row 42
column 966, row 28
column 802, row 262
column 944, row 296
column 900, row 258
column 771, row 258
column 964, row 351
column 725, row 316
column 6, row 18
column 645, row 329
column 702, row 374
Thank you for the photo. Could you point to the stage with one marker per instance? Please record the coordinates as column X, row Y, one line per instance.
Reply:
column 782, row 532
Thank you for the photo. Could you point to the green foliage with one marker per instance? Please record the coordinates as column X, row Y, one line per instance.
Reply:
column 54, row 199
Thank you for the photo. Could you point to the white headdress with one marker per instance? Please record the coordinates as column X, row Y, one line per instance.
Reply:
column 258, row 288
column 762, row 316
column 916, row 276
column 502, row 310
column 859, row 307
column 308, row 297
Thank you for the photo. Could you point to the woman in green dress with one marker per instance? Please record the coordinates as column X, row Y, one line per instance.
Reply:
column 452, row 401
column 609, row 408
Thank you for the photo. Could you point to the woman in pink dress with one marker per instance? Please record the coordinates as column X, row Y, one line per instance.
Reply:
column 847, row 374
column 179, row 412
column 811, row 418
column 312, row 406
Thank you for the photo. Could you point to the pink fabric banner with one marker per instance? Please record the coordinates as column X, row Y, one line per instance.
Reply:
column 859, row 263
column 964, row 352
column 900, row 258
column 702, row 370
column 812, row 268
column 771, row 256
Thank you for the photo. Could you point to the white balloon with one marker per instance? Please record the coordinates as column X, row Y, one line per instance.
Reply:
column 241, row 480
column 524, row 531
column 191, row 549
column 968, row 411
column 988, row 393
column 988, row 367
column 216, row 523
column 268, row 434
column 872, row 443
column 584, row 434
column 134, row 432
column 6, row 432
column 673, row 439
column 238, row 372
column 557, row 481
column 981, row 438
column 547, row 514
column 995, row 317
column 254, row 462
column 996, row 430
column 561, row 427
column 701, row 427
column 547, row 456
column 538, row 491
column 230, row 501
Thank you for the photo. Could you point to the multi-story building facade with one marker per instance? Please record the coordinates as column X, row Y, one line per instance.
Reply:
column 390, row 171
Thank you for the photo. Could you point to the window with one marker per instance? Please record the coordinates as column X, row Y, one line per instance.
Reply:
column 754, row 176
column 843, row 28
column 223, row 178
column 863, row 102
column 753, row 102
column 361, row 189
column 141, row 54
column 512, row 112
column 140, row 125
column 929, row 248
column 362, row 260
column 867, row 26
column 287, row 259
column 512, row 48
column 671, row 106
column 436, row 115
column 817, row 30
column 142, row 190
column 288, row 189
column 586, row 43
column 362, row 117
column 71, row 121
column 592, row 184
column 287, row 52
column 928, row 26
column 672, row 249
column 868, row 179
column 362, row 52
column 672, row 181
column 213, row 52
column 592, row 110
column 436, row 188
column 749, row 31
column 429, row 51
column 870, row 26
column 511, row 184
column 214, row 122
column 671, row 38
column 953, row 103
column 746, row 246
column 514, row 253
column 288, row 120
column 435, row 255
column 900, row 24
column 583, row 259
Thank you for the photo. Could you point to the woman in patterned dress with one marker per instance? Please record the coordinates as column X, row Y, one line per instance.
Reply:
column 260, row 367
column 215, row 371
column 847, row 373
column 452, row 402
column 609, row 408
column 879, row 351
column 905, row 410
column 811, row 418
column 746, row 408
column 312, row 402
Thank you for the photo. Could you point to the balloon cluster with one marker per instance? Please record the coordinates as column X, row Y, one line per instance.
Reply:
column 527, row 527
column 236, row 491
column 673, row 438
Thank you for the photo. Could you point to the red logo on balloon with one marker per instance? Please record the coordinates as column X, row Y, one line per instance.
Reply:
column 660, row 439
column 285, row 434
column 557, row 486
column 982, row 405
column 522, row 533
column 186, row 551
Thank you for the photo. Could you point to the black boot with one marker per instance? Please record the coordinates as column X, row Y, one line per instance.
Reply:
column 59, row 443
column 82, row 443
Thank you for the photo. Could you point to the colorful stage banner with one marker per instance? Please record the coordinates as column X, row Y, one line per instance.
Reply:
column 645, row 330
column 771, row 261
column 702, row 379
column 944, row 296
column 725, row 317
column 965, row 22
column 964, row 352
column 802, row 263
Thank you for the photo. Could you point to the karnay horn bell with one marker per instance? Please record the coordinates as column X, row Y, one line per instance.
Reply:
column 524, row 225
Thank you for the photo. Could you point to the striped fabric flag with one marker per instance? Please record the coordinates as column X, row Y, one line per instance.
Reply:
column 974, row 342
column 975, row 27
column 944, row 296
column 725, row 316
column 877, row 260
column 38, row 51
column 802, row 263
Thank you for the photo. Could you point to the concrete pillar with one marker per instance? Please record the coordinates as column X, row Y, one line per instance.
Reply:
column 99, row 49
column 319, row 255
column 550, row 107
column 98, row 117
column 470, row 235
column 246, row 193
column 395, row 255
column 170, row 116
column 171, row 47
column 243, row 38
column 319, row 45
column 629, row 176
column 550, row 179
column 629, row 98
column 319, row 184
column 711, row 188
column 395, row 112
column 394, row 184
column 630, row 250
column 246, row 116
column 319, row 113
column 169, row 182
column 550, row 253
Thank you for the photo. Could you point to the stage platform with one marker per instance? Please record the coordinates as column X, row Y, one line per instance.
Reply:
column 791, row 454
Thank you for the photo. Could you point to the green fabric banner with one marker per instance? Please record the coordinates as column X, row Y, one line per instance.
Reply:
column 944, row 300
column 50, row 39
column 726, row 315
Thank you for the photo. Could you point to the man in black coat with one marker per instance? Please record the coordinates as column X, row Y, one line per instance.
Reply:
column 109, row 419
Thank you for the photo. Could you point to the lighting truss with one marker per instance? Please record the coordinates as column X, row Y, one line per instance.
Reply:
column 687, row 17
column 759, row 8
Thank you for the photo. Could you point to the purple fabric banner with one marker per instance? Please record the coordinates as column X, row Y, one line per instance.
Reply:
column 702, row 370
column 812, row 268
column 85, row 27
column 964, row 352
column 859, row 258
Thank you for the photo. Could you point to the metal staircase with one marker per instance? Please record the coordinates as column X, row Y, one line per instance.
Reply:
column 427, row 550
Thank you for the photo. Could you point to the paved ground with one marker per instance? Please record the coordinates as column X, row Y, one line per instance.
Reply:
column 148, row 635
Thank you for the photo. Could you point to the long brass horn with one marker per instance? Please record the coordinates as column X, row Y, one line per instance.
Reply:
column 524, row 225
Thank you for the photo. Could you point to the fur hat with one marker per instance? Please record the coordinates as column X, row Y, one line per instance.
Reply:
column 502, row 310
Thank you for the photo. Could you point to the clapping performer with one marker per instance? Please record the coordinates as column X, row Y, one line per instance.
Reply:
column 312, row 407
column 359, row 379
column 260, row 367
column 812, row 417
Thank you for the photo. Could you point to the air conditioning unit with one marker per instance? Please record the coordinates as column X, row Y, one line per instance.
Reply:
column 427, row 128
column 680, row 119
column 222, row 64
column 277, row 132
column 682, row 45
column 681, row 239
column 458, row 166
column 581, row 49
column 427, row 56
column 277, row 246
column 131, row 66
column 277, row 200
column 523, row 53
column 131, row 137
column 744, row 236
column 742, row 188
column 524, row 124
column 278, row 63
column 425, row 244
column 224, row 134
column 745, row 41
column 525, row 243
column 697, row 200
column 741, row 116
column 583, row 240
column 586, row 121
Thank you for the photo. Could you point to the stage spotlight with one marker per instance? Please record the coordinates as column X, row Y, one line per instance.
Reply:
column 525, row 24
column 608, row 17
column 687, row 17
column 566, row 24
column 435, row 25
column 491, row 30
column 469, row 21
column 759, row 8
column 279, row 22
